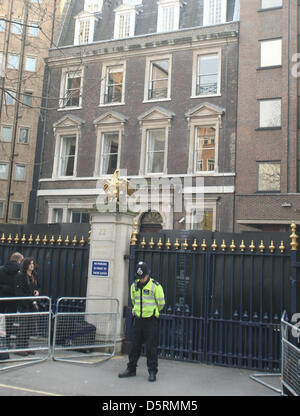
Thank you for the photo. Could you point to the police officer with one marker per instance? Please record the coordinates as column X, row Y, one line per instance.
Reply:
column 148, row 300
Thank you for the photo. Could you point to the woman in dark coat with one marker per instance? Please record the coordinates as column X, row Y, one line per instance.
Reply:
column 26, row 284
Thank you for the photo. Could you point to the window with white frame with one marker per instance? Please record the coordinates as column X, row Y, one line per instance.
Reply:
column 71, row 89
column 24, row 135
column 6, row 132
column 10, row 97
column 20, row 173
column 84, row 28
column 270, row 52
column 2, row 65
column 112, row 91
column 168, row 15
column 57, row 215
column 2, row 25
column 208, row 74
column 205, row 149
column 268, row 176
column 30, row 64
column 93, row 6
column 158, row 78
column 16, row 210
column 16, row 27
column 155, row 151
column 33, row 29
column 270, row 113
column 66, row 158
column 109, row 153
column 27, row 98
column 202, row 219
column 13, row 61
column 124, row 22
column 214, row 12
column 3, row 171
column 269, row 4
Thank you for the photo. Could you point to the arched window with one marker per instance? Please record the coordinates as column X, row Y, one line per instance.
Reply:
column 151, row 221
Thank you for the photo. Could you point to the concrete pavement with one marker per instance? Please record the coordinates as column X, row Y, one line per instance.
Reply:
column 175, row 378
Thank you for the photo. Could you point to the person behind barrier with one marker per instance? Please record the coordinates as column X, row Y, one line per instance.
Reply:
column 8, row 273
column 148, row 300
column 26, row 284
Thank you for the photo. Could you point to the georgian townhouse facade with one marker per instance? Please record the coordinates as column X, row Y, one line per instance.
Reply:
column 149, row 87
column 267, row 181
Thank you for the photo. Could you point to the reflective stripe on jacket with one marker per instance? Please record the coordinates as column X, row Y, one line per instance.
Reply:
column 147, row 301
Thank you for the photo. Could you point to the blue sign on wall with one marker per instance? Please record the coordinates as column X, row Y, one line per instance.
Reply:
column 100, row 268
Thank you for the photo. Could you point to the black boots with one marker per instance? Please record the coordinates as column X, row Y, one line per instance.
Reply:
column 152, row 376
column 127, row 373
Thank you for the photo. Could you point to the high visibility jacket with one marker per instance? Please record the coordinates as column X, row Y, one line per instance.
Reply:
column 147, row 301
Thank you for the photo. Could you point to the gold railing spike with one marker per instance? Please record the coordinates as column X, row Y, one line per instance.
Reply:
column 16, row 239
column 185, row 244
column 168, row 244
column 223, row 245
column 272, row 247
column 59, row 240
column 261, row 247
column 134, row 234
column 281, row 247
column 74, row 241
column 37, row 240
column 89, row 236
column 30, row 239
column 45, row 241
column 2, row 238
column 195, row 245
column 294, row 237
column 252, row 246
column 214, row 245
column 203, row 245
column 151, row 243
column 176, row 244
column 232, row 246
column 9, row 239
column 160, row 243
column 23, row 239
column 242, row 246
column 143, row 242
column 67, row 241
column 52, row 240
column 82, row 241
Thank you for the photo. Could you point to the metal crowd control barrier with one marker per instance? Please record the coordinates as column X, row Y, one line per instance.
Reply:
column 25, row 331
column 290, row 363
column 85, row 335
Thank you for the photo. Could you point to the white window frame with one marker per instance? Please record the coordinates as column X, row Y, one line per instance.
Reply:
column 163, row 5
column 63, row 88
column 93, row 6
column 28, row 135
column 34, row 59
column 124, row 10
column 264, row 49
column 9, row 66
column 148, row 77
column 148, row 130
column 4, row 164
column 207, row 21
column 84, row 18
column 261, row 102
column 196, row 56
column 270, row 7
column 11, row 210
column 12, row 93
column 101, row 173
column 104, row 75
column 11, row 129
column 33, row 30
column 16, row 23
column 209, row 125
column 15, row 175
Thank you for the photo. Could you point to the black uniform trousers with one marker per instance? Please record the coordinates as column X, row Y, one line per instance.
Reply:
column 145, row 330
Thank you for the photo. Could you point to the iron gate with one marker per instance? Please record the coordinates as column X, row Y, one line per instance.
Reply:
column 224, row 299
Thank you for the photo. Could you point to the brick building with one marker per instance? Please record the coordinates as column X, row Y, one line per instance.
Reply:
column 148, row 86
column 26, row 28
column 267, row 168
